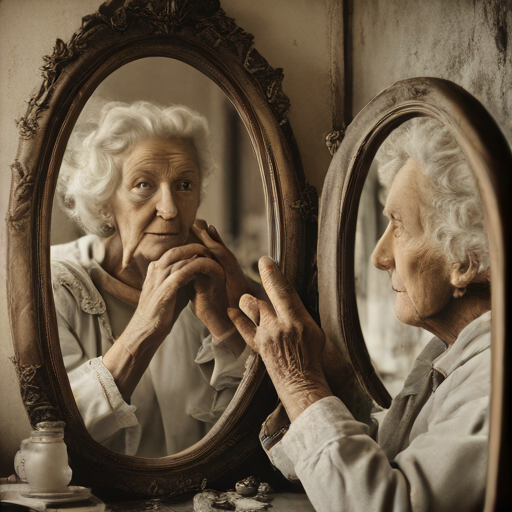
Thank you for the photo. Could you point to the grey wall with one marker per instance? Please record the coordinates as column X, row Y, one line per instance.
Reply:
column 466, row 41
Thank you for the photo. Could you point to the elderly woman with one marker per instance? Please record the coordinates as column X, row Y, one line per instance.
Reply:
column 432, row 445
column 150, row 372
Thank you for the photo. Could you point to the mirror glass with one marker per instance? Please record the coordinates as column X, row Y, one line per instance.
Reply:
column 152, row 371
column 420, row 232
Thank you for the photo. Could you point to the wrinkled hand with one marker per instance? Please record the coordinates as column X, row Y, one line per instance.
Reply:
column 210, row 301
column 236, row 281
column 287, row 338
column 164, row 293
column 163, row 296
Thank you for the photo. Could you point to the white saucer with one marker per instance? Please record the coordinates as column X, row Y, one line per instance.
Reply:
column 72, row 493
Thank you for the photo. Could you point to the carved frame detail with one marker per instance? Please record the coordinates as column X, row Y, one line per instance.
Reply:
column 199, row 33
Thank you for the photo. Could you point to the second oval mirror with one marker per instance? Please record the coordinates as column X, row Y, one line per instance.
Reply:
column 421, row 251
column 159, row 191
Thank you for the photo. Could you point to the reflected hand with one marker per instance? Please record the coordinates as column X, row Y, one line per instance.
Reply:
column 287, row 338
column 162, row 298
column 164, row 293
column 210, row 300
column 236, row 281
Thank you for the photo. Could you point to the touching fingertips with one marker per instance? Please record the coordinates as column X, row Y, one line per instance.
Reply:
column 246, row 300
column 266, row 265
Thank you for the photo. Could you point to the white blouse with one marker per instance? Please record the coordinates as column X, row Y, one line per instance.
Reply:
column 186, row 388
column 443, row 466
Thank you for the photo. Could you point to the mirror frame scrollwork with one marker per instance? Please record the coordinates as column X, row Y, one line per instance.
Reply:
column 489, row 155
column 199, row 33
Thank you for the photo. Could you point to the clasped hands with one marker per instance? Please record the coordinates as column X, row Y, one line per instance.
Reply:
column 217, row 283
column 206, row 273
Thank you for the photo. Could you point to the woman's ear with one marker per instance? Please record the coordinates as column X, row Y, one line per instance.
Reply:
column 463, row 274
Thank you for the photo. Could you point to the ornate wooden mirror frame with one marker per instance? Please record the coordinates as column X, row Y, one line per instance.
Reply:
column 200, row 34
column 488, row 154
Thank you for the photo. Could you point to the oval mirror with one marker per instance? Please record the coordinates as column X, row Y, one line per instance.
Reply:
column 392, row 344
column 132, row 52
column 398, row 156
column 190, row 380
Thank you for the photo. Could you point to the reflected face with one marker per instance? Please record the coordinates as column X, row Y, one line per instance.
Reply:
column 420, row 273
column 156, row 203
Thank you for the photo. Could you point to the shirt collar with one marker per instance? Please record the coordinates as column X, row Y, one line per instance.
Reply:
column 473, row 339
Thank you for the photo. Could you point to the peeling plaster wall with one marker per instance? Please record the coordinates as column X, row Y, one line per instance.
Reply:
column 466, row 41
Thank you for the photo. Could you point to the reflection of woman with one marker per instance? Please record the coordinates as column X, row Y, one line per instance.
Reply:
column 432, row 445
column 150, row 374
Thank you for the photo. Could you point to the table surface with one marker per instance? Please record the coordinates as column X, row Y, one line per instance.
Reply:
column 281, row 502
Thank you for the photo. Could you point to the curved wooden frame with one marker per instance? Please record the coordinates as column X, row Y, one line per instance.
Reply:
column 488, row 154
column 200, row 34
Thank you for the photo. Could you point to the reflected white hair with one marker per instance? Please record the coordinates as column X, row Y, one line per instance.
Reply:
column 453, row 215
column 92, row 166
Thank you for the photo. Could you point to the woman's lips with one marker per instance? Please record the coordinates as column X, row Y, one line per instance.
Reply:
column 162, row 234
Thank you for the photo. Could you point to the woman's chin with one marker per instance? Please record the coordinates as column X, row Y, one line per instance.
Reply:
column 405, row 311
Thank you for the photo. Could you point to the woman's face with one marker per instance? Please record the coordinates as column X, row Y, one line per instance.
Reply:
column 420, row 273
column 156, row 203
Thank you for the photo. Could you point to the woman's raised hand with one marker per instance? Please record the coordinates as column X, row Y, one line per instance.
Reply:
column 163, row 294
column 236, row 282
column 287, row 338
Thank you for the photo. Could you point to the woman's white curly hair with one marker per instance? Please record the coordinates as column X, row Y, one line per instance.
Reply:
column 92, row 165
column 453, row 215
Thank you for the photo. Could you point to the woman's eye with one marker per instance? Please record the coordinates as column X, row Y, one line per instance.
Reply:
column 142, row 185
column 186, row 185
column 398, row 229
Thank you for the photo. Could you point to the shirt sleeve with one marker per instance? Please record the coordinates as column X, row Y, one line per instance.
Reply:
column 228, row 367
column 97, row 397
column 443, row 468
column 100, row 403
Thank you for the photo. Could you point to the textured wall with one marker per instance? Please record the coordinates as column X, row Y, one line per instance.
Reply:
column 466, row 41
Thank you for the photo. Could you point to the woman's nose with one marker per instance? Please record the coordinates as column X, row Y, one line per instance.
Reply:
column 166, row 207
column 382, row 256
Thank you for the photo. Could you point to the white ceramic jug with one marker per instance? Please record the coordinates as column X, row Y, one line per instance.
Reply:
column 42, row 460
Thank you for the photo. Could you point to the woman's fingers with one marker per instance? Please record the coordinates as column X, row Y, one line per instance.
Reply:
column 204, row 236
column 201, row 223
column 284, row 298
column 185, row 271
column 244, row 326
column 211, row 239
column 183, row 252
column 214, row 234
column 250, row 306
